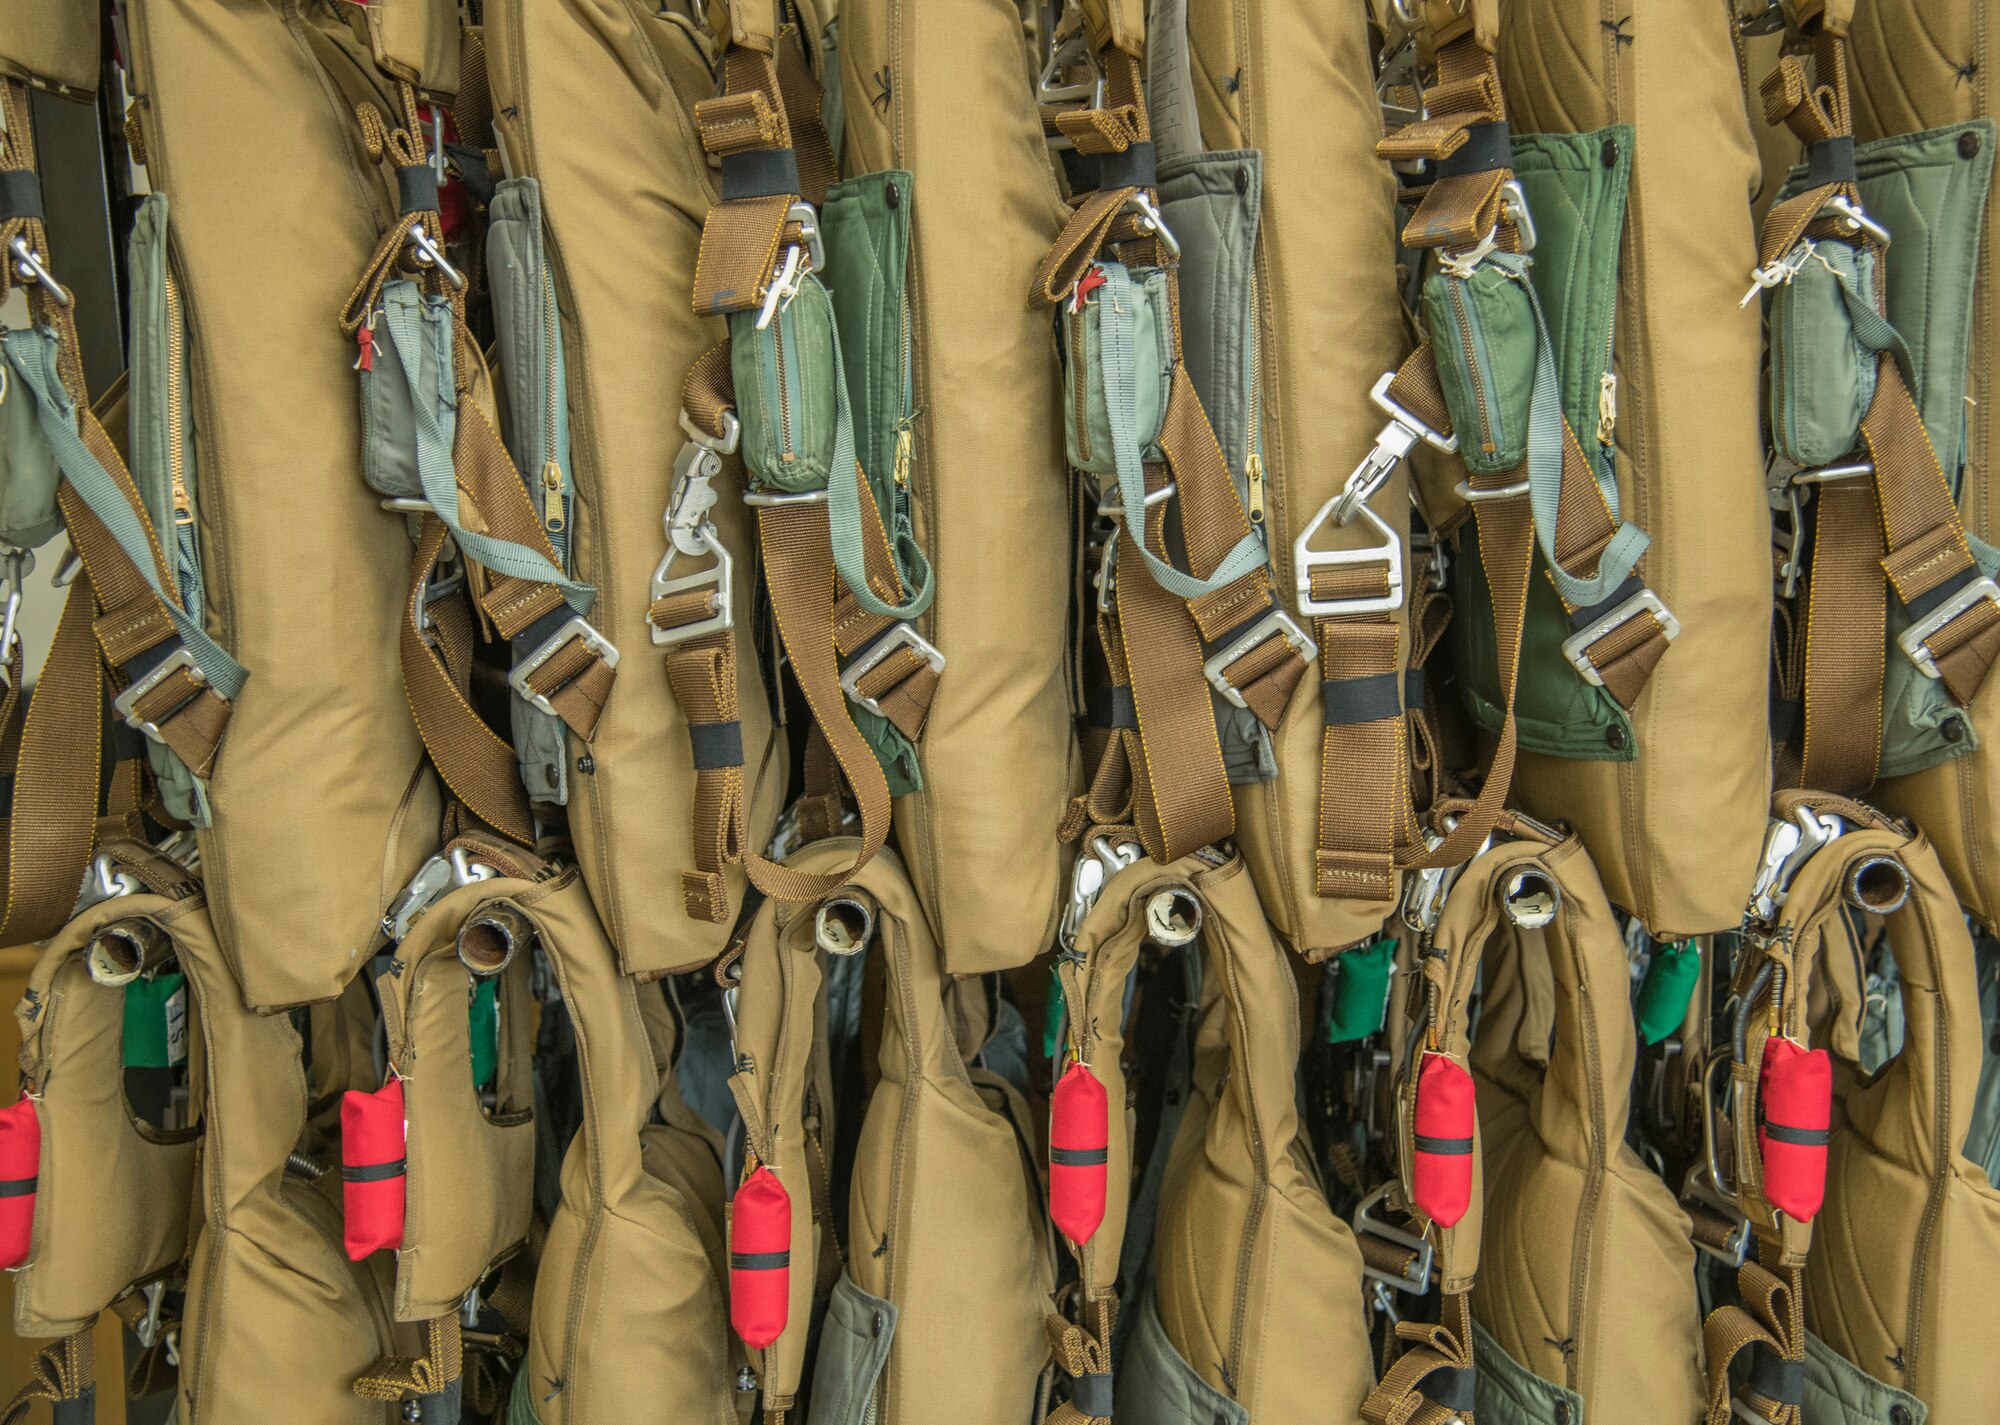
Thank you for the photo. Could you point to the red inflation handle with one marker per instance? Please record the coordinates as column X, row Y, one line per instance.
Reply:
column 1444, row 1128
column 20, row 1172
column 374, row 1168
column 1079, row 1152
column 760, row 1259
column 1794, row 1126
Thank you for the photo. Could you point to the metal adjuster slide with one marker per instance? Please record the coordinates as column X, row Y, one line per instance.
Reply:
column 1305, row 559
column 1915, row 640
column 1275, row 623
column 903, row 635
column 575, row 627
column 1576, row 648
column 127, row 702
column 1417, row 1279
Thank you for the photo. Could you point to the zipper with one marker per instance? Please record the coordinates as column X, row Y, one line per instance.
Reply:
column 1080, row 385
column 785, row 451
column 1593, row 1183
column 1474, row 351
column 1942, row 1149
column 906, row 435
column 1253, row 458
column 176, row 416
column 555, row 517
column 1260, row 1190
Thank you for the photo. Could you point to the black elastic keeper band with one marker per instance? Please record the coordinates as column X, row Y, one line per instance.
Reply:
column 759, row 1261
column 1588, row 614
column 147, row 659
column 417, row 189
column 1133, row 168
column 1111, row 707
column 1487, row 146
column 716, row 744
column 759, row 173
column 1413, row 689
column 1370, row 698
column 1081, row 169
column 472, row 172
column 1933, row 599
column 1775, row 1378
column 1830, row 161
column 1447, row 1147
column 1451, row 1387
column 373, row 1172
column 1797, row 1137
column 1079, row 1157
column 1091, row 1393
column 444, row 1406
column 80, row 1410
column 1787, row 714
column 18, row 1187
column 127, row 743
column 20, row 195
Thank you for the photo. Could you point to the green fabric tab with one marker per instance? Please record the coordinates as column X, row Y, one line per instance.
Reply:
column 854, row 1349
column 1578, row 202
column 1671, row 972
column 1508, row 1393
column 484, row 1024
column 1838, row 1392
column 1360, row 991
column 155, row 1033
column 1053, row 1016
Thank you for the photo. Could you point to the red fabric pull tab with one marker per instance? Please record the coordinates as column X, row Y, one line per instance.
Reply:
column 364, row 336
column 1085, row 285
column 373, row 1169
column 20, row 1167
column 1079, row 1152
column 1441, row 1171
column 760, row 1259
column 1794, row 1126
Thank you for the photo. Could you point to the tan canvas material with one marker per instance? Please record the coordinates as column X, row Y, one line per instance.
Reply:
column 1587, row 1275
column 629, row 1321
column 1328, row 324
column 1675, row 832
column 111, row 1202
column 1908, row 1245
column 278, row 1322
column 623, row 224
column 417, row 41
column 322, row 804
column 52, row 42
column 1900, row 88
column 1258, row 1284
column 997, row 754
column 945, row 1223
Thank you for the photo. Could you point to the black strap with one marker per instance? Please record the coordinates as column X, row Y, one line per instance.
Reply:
column 1933, row 599
column 20, row 194
column 1449, row 1147
column 1079, row 1158
column 417, row 190
column 1369, row 698
column 1413, row 689
column 443, row 1408
column 1797, row 1137
column 716, row 744
column 80, row 1409
column 473, row 173
column 1110, row 706
column 1775, row 1378
column 1134, row 168
column 18, row 1187
column 374, row 1172
column 1831, row 160
column 759, row 1261
column 1091, row 1393
column 1487, row 146
column 759, row 173
column 1452, row 1387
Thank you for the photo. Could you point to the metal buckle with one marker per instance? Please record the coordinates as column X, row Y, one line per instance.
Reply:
column 434, row 878
column 431, row 254
column 1787, row 846
column 15, row 566
column 731, row 437
column 1417, row 1280
column 573, row 627
column 1152, row 222
column 103, row 881
column 1855, row 217
column 1050, row 88
column 180, row 660
column 1277, row 621
column 1576, row 647
column 28, row 266
column 903, row 635
column 1826, row 474
column 1392, row 443
column 1915, row 640
column 691, row 534
column 1704, row 1183
column 758, row 497
column 1305, row 559
column 806, row 255
column 1767, row 21
column 1094, row 870
column 1513, row 209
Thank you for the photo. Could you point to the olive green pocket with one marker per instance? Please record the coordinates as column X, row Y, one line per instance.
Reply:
column 1822, row 375
column 1086, row 415
column 1508, row 1393
column 1838, row 1392
column 160, row 434
column 853, row 1350
column 1576, row 186
column 28, row 472
column 1156, row 1386
column 395, row 370
column 1483, row 332
column 784, row 379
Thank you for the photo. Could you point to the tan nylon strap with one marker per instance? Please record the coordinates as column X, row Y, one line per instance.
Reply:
column 1081, row 1349
column 1772, row 1315
column 702, row 673
column 903, row 682
column 798, row 571
column 1844, row 649
column 1398, row 1398
column 63, row 1370
column 478, row 766
column 397, row 1377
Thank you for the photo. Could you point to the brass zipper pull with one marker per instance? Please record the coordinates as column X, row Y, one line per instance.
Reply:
column 1253, row 469
column 1607, row 408
column 552, row 506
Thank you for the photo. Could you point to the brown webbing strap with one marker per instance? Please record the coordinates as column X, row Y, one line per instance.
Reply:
column 1910, row 531
column 1772, row 1318
column 155, row 1367
column 1082, row 1351
column 64, row 1373
column 1398, row 1398
column 51, row 828
column 396, row 1377
column 903, row 682
column 478, row 766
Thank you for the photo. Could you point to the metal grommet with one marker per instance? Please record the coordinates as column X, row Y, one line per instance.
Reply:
column 746, row 1379
column 1530, row 898
column 488, row 942
column 1968, row 144
column 1879, row 884
column 1173, row 917
column 843, row 925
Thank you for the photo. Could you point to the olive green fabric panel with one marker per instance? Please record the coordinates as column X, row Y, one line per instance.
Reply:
column 853, row 1351
column 1156, row 1387
column 784, row 390
column 1838, row 1392
column 1576, row 187
column 1510, row 1394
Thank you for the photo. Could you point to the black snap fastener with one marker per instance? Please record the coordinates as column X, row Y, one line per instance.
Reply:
column 1242, row 181
column 1609, row 153
column 1899, row 1414
column 1968, row 147
column 1614, row 737
column 895, row 197
column 1562, row 1406
column 586, row 764
column 875, row 1324
column 1953, row 729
